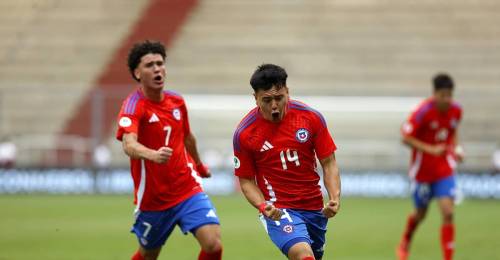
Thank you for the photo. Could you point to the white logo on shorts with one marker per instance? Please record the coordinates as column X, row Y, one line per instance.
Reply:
column 211, row 214
column 288, row 229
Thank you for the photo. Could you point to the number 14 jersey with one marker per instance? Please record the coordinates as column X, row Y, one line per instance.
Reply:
column 281, row 157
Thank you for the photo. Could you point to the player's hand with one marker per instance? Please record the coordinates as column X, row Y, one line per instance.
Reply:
column 203, row 170
column 272, row 212
column 162, row 155
column 437, row 150
column 459, row 153
column 331, row 208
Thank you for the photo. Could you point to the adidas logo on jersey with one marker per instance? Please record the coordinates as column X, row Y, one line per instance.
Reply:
column 154, row 118
column 211, row 214
column 266, row 146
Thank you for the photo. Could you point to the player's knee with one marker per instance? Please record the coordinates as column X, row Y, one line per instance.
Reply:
column 448, row 217
column 420, row 215
column 150, row 255
column 300, row 252
column 213, row 245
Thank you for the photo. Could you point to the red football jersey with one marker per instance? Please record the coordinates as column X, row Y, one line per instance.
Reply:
column 429, row 125
column 157, row 124
column 282, row 156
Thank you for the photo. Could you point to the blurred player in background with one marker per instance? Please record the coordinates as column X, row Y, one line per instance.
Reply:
column 275, row 148
column 431, row 133
column 154, row 129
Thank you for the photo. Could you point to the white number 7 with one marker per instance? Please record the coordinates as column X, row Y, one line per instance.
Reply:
column 167, row 129
column 148, row 228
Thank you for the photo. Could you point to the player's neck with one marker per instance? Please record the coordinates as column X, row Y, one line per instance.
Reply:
column 155, row 95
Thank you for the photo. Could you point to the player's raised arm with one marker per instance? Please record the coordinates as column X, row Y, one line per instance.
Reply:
column 136, row 150
column 331, row 179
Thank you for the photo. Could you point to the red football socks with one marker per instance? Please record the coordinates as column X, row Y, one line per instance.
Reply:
column 447, row 240
column 212, row 256
column 402, row 251
column 137, row 256
column 308, row 258
column 411, row 224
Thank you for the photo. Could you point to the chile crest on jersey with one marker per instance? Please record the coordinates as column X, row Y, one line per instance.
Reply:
column 302, row 135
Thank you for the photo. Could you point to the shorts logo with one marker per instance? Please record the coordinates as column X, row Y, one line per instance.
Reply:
column 236, row 162
column 302, row 135
column 177, row 114
column 211, row 214
column 125, row 122
column 288, row 229
column 144, row 241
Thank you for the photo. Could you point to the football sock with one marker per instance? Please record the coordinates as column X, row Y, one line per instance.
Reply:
column 411, row 224
column 447, row 243
column 137, row 256
column 210, row 256
column 308, row 258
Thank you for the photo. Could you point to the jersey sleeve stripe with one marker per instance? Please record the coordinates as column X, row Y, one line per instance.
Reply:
column 456, row 105
column 421, row 111
column 172, row 93
column 301, row 106
column 131, row 104
column 247, row 121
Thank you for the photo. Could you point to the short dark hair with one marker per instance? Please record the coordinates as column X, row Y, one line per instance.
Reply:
column 268, row 75
column 442, row 81
column 143, row 48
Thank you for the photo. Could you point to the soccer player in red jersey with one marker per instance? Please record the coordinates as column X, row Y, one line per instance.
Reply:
column 275, row 149
column 431, row 133
column 154, row 128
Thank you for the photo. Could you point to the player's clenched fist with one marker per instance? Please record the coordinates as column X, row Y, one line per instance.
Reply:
column 270, row 211
column 203, row 170
column 162, row 155
column 331, row 208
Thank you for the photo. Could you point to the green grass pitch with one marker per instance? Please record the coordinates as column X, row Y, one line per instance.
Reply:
column 56, row 227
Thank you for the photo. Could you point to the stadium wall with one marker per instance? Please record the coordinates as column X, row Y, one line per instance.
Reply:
column 118, row 181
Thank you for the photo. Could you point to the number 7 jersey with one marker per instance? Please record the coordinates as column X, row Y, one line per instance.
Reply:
column 281, row 157
column 157, row 124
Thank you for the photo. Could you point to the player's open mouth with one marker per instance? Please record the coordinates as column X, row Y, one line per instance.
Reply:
column 158, row 79
column 275, row 115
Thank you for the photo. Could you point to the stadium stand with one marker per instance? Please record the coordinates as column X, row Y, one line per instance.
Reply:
column 372, row 49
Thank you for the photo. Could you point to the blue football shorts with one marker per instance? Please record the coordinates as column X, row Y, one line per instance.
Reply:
column 297, row 226
column 423, row 193
column 152, row 228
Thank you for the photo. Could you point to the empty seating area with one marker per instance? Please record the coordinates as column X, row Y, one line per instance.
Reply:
column 346, row 48
column 52, row 51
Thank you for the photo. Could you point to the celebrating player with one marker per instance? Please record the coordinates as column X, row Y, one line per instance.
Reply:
column 431, row 132
column 275, row 148
column 154, row 129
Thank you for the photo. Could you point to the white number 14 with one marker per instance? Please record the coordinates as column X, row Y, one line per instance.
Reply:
column 292, row 156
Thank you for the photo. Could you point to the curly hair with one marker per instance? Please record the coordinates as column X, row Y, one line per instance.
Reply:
column 143, row 48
